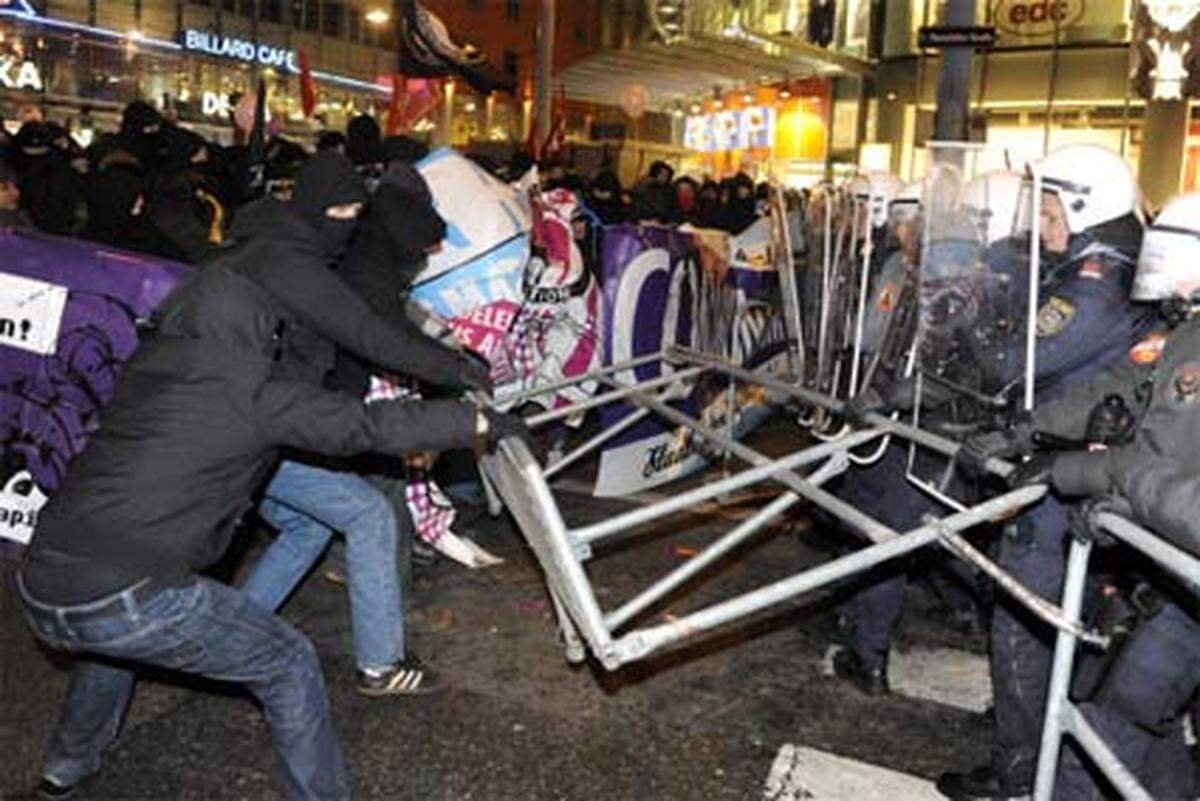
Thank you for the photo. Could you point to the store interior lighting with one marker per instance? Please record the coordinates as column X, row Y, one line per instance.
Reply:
column 377, row 16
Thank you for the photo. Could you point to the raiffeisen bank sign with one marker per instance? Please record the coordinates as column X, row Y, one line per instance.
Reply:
column 240, row 49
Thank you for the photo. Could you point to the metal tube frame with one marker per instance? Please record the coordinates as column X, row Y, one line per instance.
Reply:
column 1062, row 716
column 562, row 551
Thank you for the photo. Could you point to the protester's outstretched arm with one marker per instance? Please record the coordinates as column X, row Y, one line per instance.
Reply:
column 301, row 416
column 317, row 295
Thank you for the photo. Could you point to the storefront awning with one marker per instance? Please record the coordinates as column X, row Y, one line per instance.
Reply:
column 695, row 65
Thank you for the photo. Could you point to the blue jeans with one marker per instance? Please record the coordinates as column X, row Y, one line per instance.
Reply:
column 307, row 505
column 203, row 628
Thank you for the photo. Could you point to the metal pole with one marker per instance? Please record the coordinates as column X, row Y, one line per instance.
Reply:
column 871, row 528
column 545, row 70
column 954, row 80
column 1109, row 763
column 946, row 447
column 684, row 500
column 713, row 552
column 1178, row 561
column 595, row 442
column 554, row 386
column 1060, row 673
column 608, row 397
column 639, row 643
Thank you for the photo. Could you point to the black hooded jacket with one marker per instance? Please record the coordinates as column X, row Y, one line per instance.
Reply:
column 202, row 409
column 51, row 189
column 387, row 254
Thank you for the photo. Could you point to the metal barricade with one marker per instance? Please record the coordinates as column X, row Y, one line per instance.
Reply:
column 1062, row 716
column 561, row 551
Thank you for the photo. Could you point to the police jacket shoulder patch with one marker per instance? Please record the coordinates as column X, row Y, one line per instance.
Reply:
column 1053, row 316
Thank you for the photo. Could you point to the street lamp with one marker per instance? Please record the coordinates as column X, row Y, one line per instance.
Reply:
column 377, row 16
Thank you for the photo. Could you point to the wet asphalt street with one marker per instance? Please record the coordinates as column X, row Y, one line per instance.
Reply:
column 515, row 720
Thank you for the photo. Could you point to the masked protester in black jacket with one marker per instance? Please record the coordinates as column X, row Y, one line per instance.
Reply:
column 230, row 376
column 51, row 189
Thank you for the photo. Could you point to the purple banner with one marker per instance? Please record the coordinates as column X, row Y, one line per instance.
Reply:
column 68, row 319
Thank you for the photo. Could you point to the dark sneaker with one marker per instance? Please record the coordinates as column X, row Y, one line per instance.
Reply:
column 983, row 784
column 50, row 791
column 335, row 575
column 410, row 677
column 848, row 665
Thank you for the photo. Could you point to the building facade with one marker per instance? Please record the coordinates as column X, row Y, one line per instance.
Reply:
column 193, row 58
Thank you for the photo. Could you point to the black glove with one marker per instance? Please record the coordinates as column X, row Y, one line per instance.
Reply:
column 978, row 448
column 868, row 401
column 502, row 425
column 474, row 372
column 1034, row 470
column 1082, row 517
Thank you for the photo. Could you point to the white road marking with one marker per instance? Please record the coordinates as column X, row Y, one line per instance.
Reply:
column 806, row 774
column 943, row 675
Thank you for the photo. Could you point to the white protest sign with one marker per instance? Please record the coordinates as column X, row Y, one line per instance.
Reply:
column 30, row 313
column 20, row 501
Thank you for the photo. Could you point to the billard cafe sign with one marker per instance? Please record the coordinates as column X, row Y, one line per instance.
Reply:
column 213, row 104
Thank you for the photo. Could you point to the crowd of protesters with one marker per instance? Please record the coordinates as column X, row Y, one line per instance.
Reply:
column 161, row 189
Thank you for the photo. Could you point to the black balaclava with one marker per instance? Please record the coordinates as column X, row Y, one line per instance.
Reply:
column 141, row 134
column 404, row 148
column 328, row 179
column 34, row 139
column 662, row 172
column 183, row 149
column 402, row 222
column 331, row 140
column 112, row 195
column 364, row 141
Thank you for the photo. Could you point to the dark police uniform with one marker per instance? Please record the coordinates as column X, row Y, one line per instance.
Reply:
column 1084, row 323
column 1137, row 709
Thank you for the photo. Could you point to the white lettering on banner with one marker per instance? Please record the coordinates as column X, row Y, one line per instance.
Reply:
column 240, row 49
column 625, row 305
column 30, row 313
column 19, row 74
column 20, row 501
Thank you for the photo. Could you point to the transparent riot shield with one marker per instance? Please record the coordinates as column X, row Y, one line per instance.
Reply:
column 970, row 352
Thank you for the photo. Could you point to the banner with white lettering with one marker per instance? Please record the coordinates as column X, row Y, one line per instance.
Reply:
column 30, row 313
column 664, row 287
column 20, row 501
column 69, row 315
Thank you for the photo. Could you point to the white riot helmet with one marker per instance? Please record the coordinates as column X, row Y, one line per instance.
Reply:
column 1169, row 264
column 1094, row 184
column 991, row 201
column 906, row 205
column 876, row 190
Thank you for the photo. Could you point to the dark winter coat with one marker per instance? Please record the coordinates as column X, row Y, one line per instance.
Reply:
column 203, row 407
column 1156, row 472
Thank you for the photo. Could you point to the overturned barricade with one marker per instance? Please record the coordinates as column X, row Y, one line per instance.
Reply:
column 562, row 552
column 1063, row 717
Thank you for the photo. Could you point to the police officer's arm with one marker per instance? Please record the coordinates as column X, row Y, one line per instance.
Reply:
column 317, row 295
column 1164, row 494
column 1067, row 417
column 300, row 416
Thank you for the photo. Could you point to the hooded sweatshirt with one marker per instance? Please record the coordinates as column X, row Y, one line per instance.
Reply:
column 202, row 409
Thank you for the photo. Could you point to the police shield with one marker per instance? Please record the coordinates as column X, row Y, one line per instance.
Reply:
column 969, row 354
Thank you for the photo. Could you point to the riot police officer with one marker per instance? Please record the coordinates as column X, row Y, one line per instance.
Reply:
column 1090, row 235
column 1150, row 478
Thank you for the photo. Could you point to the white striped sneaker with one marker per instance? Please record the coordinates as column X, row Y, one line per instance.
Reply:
column 410, row 677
